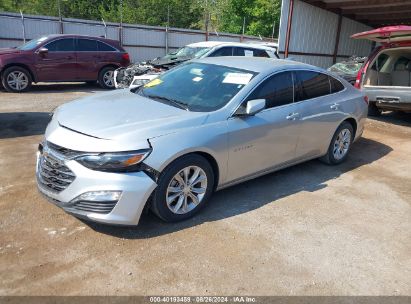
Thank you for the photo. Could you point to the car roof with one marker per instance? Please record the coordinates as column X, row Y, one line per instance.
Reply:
column 229, row 43
column 51, row 36
column 257, row 64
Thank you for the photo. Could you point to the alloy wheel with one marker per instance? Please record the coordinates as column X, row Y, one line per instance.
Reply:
column 186, row 190
column 17, row 80
column 108, row 78
column 342, row 144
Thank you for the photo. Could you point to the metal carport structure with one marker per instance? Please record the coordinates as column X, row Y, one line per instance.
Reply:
column 318, row 32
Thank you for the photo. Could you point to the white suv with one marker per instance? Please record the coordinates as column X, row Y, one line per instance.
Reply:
column 138, row 74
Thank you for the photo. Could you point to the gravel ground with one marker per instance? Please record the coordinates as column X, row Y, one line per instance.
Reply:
column 307, row 230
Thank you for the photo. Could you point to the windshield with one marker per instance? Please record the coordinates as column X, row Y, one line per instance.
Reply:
column 193, row 52
column 346, row 67
column 32, row 44
column 197, row 87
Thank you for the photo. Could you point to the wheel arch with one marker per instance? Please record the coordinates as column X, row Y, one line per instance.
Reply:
column 353, row 123
column 205, row 154
column 22, row 65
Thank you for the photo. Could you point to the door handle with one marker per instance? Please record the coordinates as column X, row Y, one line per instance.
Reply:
column 292, row 116
column 334, row 106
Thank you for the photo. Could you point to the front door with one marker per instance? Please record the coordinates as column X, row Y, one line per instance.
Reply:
column 58, row 63
column 269, row 138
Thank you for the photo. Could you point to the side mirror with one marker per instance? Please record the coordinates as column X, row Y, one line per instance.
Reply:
column 43, row 51
column 251, row 108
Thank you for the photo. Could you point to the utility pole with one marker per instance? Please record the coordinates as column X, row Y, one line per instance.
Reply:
column 242, row 34
column 167, row 26
column 272, row 35
column 60, row 17
column 22, row 24
column 206, row 16
column 121, row 23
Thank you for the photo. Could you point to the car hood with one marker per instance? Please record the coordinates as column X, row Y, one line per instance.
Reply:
column 8, row 51
column 121, row 113
column 165, row 62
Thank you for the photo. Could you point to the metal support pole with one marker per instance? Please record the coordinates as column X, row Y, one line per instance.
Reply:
column 242, row 33
column 337, row 38
column 105, row 28
column 22, row 24
column 121, row 24
column 168, row 24
column 289, row 22
column 272, row 34
column 60, row 18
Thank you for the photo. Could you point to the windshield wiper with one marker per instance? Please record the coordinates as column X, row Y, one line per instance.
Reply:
column 177, row 103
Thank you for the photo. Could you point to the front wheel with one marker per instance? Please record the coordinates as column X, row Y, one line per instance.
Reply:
column 16, row 79
column 183, row 189
column 106, row 78
column 340, row 145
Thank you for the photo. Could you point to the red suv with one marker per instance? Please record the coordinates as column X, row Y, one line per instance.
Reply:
column 57, row 58
column 386, row 76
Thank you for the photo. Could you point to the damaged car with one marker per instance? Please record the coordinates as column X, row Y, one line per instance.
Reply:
column 348, row 69
column 141, row 73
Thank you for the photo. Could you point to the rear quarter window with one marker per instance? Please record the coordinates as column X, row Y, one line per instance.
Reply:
column 312, row 84
column 103, row 47
column 335, row 85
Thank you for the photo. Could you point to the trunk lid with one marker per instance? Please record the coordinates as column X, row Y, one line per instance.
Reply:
column 388, row 34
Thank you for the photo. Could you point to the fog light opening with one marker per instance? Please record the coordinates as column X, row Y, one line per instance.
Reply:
column 99, row 196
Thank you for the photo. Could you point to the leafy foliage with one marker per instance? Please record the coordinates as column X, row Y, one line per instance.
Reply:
column 224, row 15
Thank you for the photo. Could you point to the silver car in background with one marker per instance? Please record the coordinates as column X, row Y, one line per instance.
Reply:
column 202, row 126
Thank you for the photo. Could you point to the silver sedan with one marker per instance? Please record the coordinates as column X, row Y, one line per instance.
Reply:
column 202, row 126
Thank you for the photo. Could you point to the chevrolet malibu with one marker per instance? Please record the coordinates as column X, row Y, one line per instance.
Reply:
column 200, row 127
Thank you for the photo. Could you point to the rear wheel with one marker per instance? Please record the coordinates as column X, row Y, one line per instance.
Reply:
column 373, row 110
column 106, row 78
column 340, row 145
column 16, row 79
column 183, row 189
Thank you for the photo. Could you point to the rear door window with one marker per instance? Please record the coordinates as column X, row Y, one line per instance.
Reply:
column 312, row 84
column 61, row 45
column 224, row 51
column 240, row 51
column 379, row 63
column 277, row 90
column 87, row 45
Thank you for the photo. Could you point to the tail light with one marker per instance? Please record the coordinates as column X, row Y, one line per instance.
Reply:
column 126, row 57
column 359, row 79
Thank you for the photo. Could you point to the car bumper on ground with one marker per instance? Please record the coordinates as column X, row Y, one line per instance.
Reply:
column 132, row 190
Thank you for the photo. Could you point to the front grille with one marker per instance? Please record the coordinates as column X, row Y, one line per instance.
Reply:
column 53, row 175
column 97, row 207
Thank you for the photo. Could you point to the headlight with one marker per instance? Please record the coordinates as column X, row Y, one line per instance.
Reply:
column 140, row 82
column 114, row 162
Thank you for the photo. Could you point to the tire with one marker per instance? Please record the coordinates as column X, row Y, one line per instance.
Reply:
column 102, row 78
column 169, row 187
column 373, row 110
column 22, row 79
column 343, row 140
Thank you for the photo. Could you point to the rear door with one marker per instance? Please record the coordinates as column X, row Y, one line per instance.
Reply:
column 88, row 59
column 321, row 111
column 59, row 63
column 269, row 138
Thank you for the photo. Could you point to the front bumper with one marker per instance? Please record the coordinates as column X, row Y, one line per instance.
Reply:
column 136, row 188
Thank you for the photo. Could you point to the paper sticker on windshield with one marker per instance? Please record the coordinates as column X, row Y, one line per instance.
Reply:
column 197, row 79
column 238, row 78
column 153, row 83
column 248, row 53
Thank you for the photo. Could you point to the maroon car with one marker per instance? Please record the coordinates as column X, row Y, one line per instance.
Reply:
column 58, row 58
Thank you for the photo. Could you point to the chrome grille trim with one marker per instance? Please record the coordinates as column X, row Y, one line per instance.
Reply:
column 52, row 174
column 96, row 207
